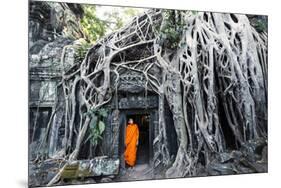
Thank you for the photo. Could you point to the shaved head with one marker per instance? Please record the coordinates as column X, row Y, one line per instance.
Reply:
column 131, row 121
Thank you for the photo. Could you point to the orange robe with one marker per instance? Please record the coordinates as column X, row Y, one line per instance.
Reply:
column 132, row 136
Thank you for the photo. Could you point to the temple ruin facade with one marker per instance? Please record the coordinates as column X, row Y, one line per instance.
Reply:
column 186, row 128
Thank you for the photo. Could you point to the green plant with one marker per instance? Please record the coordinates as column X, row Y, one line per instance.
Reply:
column 261, row 26
column 92, row 26
column 97, row 125
column 172, row 30
column 81, row 50
column 96, row 26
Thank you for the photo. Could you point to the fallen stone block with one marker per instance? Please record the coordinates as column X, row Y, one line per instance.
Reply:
column 99, row 166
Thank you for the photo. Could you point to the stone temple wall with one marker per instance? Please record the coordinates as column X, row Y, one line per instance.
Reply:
column 52, row 26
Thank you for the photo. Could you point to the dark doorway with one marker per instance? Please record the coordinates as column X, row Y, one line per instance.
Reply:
column 142, row 120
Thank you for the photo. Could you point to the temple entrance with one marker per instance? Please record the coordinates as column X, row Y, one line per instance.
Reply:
column 142, row 120
column 144, row 112
column 145, row 120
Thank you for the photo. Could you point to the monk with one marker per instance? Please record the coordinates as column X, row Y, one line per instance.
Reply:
column 131, row 142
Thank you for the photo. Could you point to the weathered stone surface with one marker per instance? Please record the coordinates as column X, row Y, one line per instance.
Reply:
column 47, row 20
column 249, row 159
column 107, row 168
column 99, row 166
column 50, row 54
column 104, row 166
column 42, row 91
column 41, row 173
column 106, row 180
column 53, row 29
column 138, row 102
